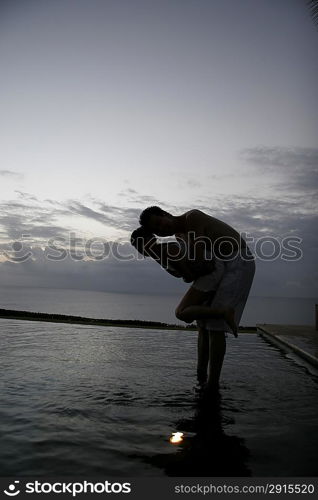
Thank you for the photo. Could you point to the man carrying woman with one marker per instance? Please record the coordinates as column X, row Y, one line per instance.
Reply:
column 219, row 264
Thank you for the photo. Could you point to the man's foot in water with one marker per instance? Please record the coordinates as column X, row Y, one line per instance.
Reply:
column 202, row 375
column 229, row 318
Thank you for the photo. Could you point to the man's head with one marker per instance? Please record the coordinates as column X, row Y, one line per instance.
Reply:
column 143, row 241
column 157, row 221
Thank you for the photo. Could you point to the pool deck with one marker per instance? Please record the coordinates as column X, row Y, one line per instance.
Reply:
column 301, row 339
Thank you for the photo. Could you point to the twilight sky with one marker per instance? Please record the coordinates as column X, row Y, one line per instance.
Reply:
column 110, row 106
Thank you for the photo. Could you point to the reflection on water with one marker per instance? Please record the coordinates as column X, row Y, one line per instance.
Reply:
column 206, row 450
column 81, row 400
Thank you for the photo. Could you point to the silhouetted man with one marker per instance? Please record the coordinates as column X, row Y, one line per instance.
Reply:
column 205, row 235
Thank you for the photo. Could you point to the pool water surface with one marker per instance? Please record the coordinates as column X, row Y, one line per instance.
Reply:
column 81, row 400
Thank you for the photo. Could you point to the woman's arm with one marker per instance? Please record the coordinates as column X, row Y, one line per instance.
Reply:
column 176, row 263
column 184, row 270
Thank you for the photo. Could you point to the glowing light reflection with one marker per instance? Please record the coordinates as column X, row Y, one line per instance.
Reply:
column 177, row 437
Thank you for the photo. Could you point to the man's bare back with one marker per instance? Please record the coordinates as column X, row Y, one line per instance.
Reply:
column 224, row 238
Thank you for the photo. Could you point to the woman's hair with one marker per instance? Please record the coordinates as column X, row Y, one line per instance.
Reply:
column 139, row 238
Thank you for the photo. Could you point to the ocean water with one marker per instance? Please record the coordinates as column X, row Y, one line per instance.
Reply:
column 94, row 304
column 88, row 401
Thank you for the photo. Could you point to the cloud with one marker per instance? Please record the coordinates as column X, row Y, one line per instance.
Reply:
column 293, row 168
column 39, row 220
column 277, row 278
column 10, row 173
column 125, row 219
column 26, row 196
column 281, row 157
column 133, row 196
column 145, row 199
column 128, row 192
column 217, row 177
column 193, row 183
column 78, row 208
column 18, row 218
column 258, row 216
column 109, row 274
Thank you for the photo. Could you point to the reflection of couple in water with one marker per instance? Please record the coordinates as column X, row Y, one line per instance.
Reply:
column 215, row 259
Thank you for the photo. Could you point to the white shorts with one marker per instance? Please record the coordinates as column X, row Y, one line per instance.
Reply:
column 232, row 291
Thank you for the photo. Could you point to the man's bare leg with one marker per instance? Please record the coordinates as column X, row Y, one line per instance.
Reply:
column 203, row 354
column 217, row 348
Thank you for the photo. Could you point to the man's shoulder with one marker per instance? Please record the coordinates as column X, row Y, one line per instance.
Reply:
column 194, row 213
column 198, row 215
column 195, row 219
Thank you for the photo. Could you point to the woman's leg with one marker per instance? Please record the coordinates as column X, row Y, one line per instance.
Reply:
column 191, row 298
column 191, row 308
